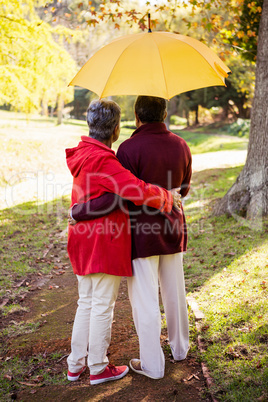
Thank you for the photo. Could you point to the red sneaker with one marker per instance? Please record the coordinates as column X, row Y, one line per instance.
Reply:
column 110, row 373
column 75, row 376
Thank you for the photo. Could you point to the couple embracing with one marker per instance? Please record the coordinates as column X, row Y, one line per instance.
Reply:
column 122, row 225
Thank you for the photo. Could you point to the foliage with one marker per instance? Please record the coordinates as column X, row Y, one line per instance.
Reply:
column 246, row 38
column 239, row 128
column 232, row 26
column 33, row 64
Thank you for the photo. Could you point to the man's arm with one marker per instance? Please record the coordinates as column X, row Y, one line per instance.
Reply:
column 96, row 208
column 185, row 186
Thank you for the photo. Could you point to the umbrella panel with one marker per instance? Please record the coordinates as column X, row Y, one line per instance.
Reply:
column 158, row 64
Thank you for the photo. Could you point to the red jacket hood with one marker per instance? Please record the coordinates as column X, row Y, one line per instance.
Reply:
column 77, row 156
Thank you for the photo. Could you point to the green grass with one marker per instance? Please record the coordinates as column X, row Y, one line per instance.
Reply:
column 35, row 371
column 27, row 231
column 201, row 142
column 226, row 271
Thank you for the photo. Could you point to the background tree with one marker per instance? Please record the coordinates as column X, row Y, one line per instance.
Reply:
column 249, row 194
column 34, row 67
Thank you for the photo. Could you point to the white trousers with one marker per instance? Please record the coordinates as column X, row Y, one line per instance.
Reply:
column 91, row 334
column 144, row 297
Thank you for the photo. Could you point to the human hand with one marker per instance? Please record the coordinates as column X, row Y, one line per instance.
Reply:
column 71, row 220
column 176, row 197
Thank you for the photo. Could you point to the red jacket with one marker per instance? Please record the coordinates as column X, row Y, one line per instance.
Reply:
column 104, row 244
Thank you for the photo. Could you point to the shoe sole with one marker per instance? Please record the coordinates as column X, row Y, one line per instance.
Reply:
column 75, row 378
column 117, row 377
column 143, row 372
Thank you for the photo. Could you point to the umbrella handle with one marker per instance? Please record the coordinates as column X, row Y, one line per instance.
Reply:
column 149, row 22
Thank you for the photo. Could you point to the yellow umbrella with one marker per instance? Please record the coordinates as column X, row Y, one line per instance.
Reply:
column 151, row 63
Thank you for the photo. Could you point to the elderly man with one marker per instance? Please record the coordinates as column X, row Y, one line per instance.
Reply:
column 156, row 155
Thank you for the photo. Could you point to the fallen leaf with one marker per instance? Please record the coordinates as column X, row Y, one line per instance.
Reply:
column 4, row 302
column 28, row 384
column 8, row 377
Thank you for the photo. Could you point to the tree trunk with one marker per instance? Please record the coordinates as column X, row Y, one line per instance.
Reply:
column 187, row 116
column 44, row 106
column 196, row 115
column 171, row 110
column 249, row 195
column 60, row 106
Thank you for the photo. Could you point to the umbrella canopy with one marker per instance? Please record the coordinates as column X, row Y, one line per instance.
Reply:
column 151, row 63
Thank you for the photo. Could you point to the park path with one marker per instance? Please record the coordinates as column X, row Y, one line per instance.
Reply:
column 46, row 186
column 218, row 160
column 53, row 306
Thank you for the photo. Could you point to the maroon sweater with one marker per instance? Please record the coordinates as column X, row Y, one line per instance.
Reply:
column 160, row 157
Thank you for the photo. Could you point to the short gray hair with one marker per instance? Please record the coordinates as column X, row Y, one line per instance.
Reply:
column 102, row 118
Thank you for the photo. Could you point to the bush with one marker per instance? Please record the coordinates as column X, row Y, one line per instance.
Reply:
column 178, row 121
column 239, row 128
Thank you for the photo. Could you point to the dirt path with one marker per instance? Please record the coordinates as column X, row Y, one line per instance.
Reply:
column 46, row 186
column 220, row 159
column 54, row 307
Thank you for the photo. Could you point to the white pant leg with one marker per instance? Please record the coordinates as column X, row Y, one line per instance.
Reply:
column 144, row 298
column 171, row 277
column 97, row 295
column 80, row 334
column 104, row 293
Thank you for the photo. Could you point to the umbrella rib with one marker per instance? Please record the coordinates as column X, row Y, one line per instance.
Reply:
column 189, row 44
column 162, row 68
column 114, row 67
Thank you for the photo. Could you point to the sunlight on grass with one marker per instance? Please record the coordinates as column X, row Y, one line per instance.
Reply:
column 226, row 271
column 201, row 143
column 235, row 329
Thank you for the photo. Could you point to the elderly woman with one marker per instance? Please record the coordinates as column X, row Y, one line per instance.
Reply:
column 100, row 249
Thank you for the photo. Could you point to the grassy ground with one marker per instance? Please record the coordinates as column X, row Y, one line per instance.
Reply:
column 226, row 270
column 225, row 266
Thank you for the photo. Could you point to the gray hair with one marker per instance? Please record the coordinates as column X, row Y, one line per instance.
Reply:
column 102, row 118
